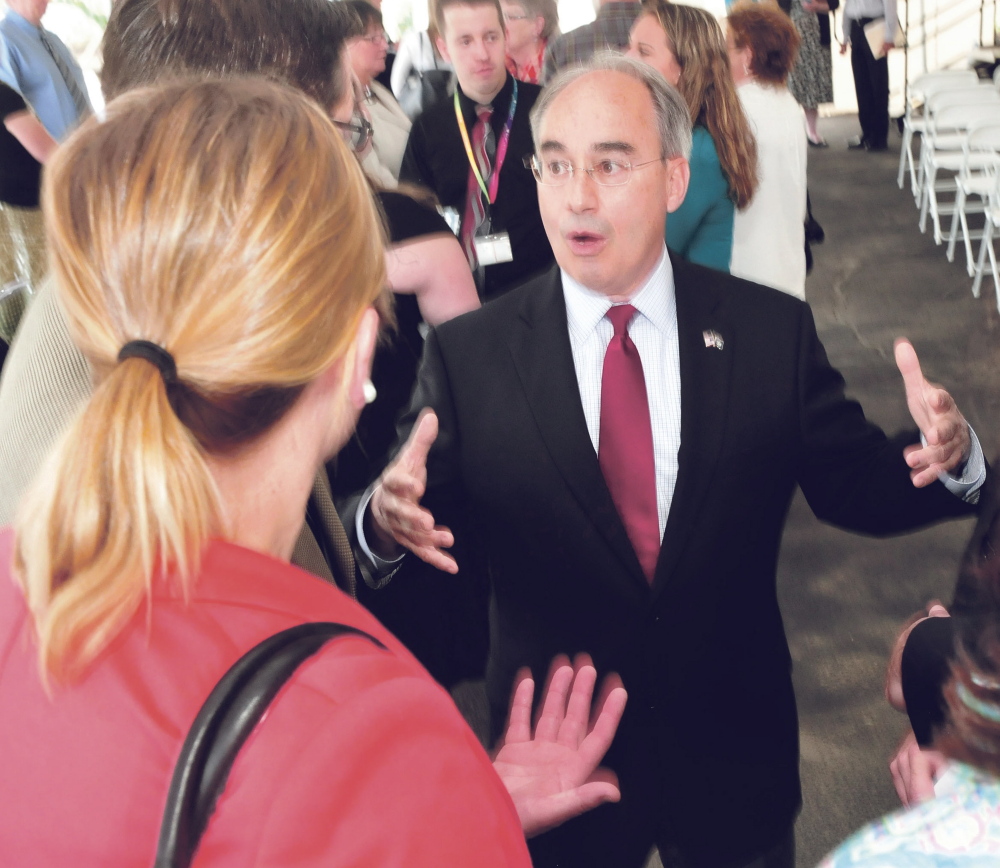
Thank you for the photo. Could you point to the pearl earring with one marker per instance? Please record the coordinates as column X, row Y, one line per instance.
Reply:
column 369, row 391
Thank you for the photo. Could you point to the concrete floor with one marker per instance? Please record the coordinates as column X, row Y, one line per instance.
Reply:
column 843, row 596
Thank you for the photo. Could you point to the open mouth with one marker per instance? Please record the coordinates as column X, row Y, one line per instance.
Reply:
column 585, row 242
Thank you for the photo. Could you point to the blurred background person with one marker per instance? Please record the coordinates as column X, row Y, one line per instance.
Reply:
column 390, row 125
column 811, row 79
column 225, row 372
column 420, row 76
column 38, row 65
column 609, row 31
column 687, row 46
column 24, row 146
column 530, row 26
column 769, row 235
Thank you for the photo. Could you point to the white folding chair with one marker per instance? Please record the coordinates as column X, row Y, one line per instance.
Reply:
column 981, row 150
column 973, row 94
column 920, row 89
column 941, row 151
column 986, row 245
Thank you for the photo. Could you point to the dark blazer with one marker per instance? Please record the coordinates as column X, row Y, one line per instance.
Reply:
column 435, row 157
column 710, row 736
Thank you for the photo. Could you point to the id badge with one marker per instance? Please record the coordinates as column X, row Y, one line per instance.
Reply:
column 493, row 249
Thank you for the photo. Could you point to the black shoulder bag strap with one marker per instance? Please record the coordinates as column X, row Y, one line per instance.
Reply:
column 229, row 715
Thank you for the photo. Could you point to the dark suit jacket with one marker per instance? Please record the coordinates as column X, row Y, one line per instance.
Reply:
column 710, row 730
column 435, row 157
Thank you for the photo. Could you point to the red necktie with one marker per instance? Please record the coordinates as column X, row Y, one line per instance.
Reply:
column 475, row 206
column 626, row 441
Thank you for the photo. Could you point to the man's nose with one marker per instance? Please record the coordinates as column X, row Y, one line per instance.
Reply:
column 583, row 193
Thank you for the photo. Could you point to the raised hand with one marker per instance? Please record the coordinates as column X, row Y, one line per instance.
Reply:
column 395, row 508
column 934, row 410
column 553, row 774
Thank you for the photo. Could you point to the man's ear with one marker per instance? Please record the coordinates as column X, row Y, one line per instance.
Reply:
column 442, row 48
column 678, row 177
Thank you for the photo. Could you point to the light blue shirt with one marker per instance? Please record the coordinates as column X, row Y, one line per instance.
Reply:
column 27, row 66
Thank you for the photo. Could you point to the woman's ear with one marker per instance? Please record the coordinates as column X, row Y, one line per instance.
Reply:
column 364, row 350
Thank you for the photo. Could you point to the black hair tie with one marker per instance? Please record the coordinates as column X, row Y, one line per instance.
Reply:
column 152, row 353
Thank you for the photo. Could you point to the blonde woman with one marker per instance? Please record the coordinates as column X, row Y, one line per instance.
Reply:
column 220, row 263
column 687, row 46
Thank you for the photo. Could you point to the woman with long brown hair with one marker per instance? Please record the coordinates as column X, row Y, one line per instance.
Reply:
column 686, row 44
column 219, row 259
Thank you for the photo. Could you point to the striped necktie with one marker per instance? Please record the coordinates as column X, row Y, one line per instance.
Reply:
column 476, row 220
column 80, row 101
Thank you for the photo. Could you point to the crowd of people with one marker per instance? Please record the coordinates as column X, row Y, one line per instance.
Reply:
column 518, row 381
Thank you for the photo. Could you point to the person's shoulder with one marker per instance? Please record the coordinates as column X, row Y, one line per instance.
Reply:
column 491, row 320
column 752, row 300
column 430, row 120
column 905, row 838
column 528, row 92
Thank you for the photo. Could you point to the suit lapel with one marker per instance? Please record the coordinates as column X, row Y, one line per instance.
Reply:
column 541, row 354
column 706, row 373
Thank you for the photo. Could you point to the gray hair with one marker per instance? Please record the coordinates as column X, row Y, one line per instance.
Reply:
column 673, row 121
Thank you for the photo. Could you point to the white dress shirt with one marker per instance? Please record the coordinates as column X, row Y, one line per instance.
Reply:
column 654, row 332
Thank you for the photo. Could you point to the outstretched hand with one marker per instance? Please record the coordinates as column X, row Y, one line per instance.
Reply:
column 395, row 505
column 553, row 775
column 934, row 410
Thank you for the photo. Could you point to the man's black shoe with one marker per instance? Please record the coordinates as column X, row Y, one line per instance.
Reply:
column 879, row 147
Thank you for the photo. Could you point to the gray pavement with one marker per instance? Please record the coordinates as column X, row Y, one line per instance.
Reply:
column 843, row 596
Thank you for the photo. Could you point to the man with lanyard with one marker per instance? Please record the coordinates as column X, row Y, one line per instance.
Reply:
column 469, row 150
column 40, row 67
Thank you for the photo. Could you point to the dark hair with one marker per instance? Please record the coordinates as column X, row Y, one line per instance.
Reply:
column 298, row 42
column 771, row 36
column 447, row 4
column 367, row 14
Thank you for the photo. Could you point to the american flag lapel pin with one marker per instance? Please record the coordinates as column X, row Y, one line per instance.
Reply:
column 713, row 339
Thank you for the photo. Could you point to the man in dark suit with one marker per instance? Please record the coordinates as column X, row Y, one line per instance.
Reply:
column 554, row 500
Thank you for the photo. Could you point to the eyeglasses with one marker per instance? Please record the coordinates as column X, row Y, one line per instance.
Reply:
column 357, row 133
column 607, row 173
column 376, row 39
column 507, row 17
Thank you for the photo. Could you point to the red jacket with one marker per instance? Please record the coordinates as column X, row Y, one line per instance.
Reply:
column 361, row 760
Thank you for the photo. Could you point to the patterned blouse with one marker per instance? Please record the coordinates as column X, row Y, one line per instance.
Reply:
column 959, row 828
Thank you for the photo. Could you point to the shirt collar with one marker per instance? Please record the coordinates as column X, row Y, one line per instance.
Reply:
column 501, row 103
column 654, row 300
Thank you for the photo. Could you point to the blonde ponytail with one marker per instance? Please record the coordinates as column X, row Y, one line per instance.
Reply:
column 227, row 223
column 126, row 492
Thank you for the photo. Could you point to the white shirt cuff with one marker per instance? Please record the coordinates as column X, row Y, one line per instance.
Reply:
column 972, row 474
column 381, row 570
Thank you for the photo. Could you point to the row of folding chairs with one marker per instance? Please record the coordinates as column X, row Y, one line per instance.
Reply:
column 957, row 118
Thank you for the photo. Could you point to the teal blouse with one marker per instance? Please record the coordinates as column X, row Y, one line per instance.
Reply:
column 701, row 230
